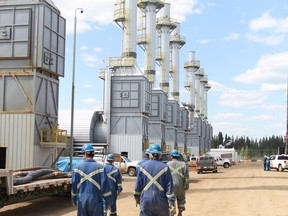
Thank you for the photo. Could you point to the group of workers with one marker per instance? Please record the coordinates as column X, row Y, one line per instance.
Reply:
column 158, row 186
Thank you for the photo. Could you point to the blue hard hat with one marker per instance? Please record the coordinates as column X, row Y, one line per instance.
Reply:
column 110, row 157
column 155, row 149
column 147, row 151
column 174, row 153
column 87, row 148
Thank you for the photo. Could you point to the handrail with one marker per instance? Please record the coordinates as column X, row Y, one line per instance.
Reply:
column 53, row 137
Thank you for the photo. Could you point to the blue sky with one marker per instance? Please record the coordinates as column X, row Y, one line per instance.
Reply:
column 241, row 44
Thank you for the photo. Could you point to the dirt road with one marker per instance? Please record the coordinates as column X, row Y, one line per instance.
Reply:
column 244, row 189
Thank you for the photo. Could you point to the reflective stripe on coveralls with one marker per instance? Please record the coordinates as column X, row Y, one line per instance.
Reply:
column 110, row 175
column 176, row 171
column 153, row 180
column 88, row 177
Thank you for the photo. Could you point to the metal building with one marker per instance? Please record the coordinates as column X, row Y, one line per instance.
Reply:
column 32, row 57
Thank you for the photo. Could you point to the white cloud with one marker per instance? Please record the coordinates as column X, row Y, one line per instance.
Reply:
column 203, row 41
column 223, row 116
column 97, row 49
column 260, row 118
column 242, row 99
column 89, row 101
column 83, row 48
column 273, row 87
column 182, row 8
column 217, row 87
column 232, row 36
column 269, row 69
column 268, row 29
column 89, row 60
column 267, row 22
column 88, row 86
column 272, row 39
column 99, row 11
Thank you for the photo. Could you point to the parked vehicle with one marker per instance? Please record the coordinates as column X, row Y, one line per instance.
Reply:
column 193, row 161
column 126, row 165
column 226, row 163
column 165, row 157
column 279, row 162
column 206, row 163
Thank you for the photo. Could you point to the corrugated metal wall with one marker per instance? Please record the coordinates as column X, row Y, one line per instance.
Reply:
column 82, row 121
column 17, row 135
column 127, row 143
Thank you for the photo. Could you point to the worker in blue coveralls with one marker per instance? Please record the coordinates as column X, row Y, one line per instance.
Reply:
column 268, row 163
column 90, row 185
column 146, row 158
column 154, row 186
column 115, row 181
column 264, row 162
column 180, row 175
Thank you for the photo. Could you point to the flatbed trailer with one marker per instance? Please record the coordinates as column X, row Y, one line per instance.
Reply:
column 10, row 193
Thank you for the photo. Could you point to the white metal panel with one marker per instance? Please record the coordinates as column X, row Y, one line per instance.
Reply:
column 126, row 143
column 82, row 120
column 17, row 135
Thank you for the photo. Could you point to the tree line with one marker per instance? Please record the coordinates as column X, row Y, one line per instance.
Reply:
column 249, row 148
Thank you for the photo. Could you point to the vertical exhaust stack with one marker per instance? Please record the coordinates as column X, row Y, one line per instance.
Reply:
column 198, row 75
column 203, row 83
column 165, row 26
column 148, row 40
column 126, row 17
column 207, row 87
column 191, row 66
column 176, row 43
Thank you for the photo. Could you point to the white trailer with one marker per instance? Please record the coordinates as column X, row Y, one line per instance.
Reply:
column 229, row 153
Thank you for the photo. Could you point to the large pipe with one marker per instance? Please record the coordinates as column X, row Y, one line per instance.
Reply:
column 203, row 83
column 126, row 18
column 207, row 88
column 176, row 42
column 165, row 26
column 191, row 66
column 150, row 7
column 198, row 76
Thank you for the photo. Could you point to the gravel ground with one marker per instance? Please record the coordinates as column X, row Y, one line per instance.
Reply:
column 244, row 189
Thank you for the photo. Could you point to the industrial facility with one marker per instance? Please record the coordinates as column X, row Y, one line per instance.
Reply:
column 140, row 107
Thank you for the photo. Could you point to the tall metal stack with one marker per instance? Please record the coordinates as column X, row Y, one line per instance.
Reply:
column 138, row 110
column 176, row 43
column 32, row 56
column 191, row 66
column 127, row 91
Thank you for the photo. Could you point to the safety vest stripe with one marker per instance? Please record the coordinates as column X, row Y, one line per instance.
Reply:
column 137, row 193
column 107, row 194
column 176, row 171
column 119, row 185
column 170, row 195
column 153, row 180
column 88, row 177
column 110, row 175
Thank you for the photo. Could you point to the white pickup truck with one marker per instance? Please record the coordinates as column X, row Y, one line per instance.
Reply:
column 226, row 163
column 126, row 165
column 279, row 162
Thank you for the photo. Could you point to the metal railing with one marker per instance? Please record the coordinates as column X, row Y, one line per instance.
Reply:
column 53, row 137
